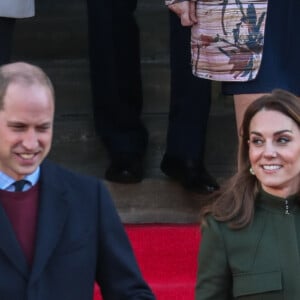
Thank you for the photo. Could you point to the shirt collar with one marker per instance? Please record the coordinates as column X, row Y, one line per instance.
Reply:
column 6, row 181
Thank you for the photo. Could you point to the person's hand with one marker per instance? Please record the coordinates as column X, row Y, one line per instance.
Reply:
column 193, row 12
column 186, row 11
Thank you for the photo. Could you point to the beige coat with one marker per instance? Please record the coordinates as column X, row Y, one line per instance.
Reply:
column 17, row 8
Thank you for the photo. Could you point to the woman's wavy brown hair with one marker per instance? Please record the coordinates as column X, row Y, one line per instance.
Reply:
column 234, row 203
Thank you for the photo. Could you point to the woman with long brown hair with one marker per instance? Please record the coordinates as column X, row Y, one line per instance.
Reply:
column 251, row 240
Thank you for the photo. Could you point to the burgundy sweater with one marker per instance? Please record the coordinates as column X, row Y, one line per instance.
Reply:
column 22, row 210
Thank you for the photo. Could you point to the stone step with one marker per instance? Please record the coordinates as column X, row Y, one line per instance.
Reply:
column 72, row 84
column 57, row 41
column 156, row 198
column 73, row 94
column 87, row 154
column 59, row 30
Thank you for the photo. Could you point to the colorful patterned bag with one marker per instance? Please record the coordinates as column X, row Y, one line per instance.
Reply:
column 227, row 42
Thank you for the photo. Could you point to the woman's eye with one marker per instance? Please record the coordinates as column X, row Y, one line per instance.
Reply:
column 283, row 140
column 256, row 141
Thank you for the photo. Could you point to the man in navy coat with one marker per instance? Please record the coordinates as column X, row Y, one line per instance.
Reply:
column 59, row 230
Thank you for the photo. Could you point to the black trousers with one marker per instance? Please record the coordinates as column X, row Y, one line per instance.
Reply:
column 7, row 26
column 117, row 87
column 190, row 99
column 116, row 75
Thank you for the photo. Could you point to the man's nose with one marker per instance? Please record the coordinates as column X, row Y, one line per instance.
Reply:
column 30, row 140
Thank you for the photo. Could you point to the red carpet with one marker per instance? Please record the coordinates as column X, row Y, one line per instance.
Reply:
column 167, row 256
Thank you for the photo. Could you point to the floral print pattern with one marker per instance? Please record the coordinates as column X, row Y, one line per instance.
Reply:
column 227, row 42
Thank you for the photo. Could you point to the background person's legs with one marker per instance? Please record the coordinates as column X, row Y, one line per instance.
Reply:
column 190, row 101
column 117, row 87
column 7, row 26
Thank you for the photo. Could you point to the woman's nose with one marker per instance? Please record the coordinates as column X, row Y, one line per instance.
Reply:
column 270, row 150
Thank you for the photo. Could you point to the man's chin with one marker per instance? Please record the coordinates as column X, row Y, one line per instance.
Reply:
column 24, row 171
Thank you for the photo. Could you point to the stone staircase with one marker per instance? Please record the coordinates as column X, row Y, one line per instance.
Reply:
column 56, row 39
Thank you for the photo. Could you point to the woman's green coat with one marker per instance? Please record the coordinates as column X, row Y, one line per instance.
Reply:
column 260, row 261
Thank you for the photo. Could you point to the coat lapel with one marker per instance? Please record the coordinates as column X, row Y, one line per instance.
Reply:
column 52, row 216
column 10, row 246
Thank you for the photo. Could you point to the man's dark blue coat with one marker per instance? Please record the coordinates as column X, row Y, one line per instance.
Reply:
column 80, row 240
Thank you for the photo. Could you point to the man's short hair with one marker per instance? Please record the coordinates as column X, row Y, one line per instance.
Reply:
column 22, row 73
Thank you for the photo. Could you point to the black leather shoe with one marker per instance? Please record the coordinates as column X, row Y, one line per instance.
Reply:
column 125, row 168
column 190, row 173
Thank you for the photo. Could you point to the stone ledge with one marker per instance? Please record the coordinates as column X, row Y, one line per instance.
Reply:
column 156, row 201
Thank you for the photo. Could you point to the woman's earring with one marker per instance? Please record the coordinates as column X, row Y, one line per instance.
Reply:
column 251, row 171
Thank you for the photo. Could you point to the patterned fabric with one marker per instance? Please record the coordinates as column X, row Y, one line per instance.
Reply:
column 169, row 2
column 227, row 42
